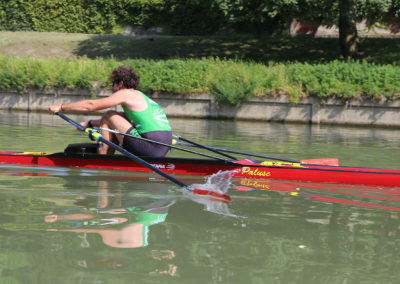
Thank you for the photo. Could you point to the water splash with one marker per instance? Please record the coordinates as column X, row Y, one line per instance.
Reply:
column 219, row 182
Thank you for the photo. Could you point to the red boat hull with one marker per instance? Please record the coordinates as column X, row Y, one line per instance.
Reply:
column 190, row 166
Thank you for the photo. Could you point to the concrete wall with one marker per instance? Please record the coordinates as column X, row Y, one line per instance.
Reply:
column 309, row 110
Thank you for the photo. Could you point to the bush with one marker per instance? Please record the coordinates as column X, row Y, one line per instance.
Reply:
column 231, row 81
column 347, row 80
column 73, row 16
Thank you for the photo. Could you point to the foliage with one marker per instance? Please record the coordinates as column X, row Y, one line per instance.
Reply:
column 144, row 13
column 172, row 76
column 192, row 17
column 347, row 79
column 257, row 16
column 56, row 73
column 73, row 16
column 231, row 81
column 15, row 15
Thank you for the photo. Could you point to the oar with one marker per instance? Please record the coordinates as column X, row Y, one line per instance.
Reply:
column 163, row 144
column 323, row 161
column 212, row 149
column 97, row 136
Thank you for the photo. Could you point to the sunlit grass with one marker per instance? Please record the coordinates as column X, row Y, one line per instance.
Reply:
column 243, row 47
column 233, row 68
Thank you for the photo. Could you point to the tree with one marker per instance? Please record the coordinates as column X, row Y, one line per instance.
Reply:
column 257, row 16
column 192, row 17
column 264, row 15
column 346, row 14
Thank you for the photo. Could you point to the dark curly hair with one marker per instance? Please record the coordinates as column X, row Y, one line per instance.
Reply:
column 127, row 75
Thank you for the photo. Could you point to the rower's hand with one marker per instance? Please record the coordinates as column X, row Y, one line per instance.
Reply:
column 54, row 108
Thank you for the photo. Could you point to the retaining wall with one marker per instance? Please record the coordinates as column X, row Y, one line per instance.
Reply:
column 309, row 110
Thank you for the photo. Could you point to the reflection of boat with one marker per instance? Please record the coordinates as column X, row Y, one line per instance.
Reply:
column 386, row 198
column 356, row 195
column 246, row 168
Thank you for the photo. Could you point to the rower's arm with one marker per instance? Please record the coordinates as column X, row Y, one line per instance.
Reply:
column 86, row 106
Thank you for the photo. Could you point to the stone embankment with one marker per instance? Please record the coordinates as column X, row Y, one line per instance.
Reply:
column 308, row 110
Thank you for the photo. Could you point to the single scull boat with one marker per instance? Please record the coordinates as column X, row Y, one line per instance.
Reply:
column 83, row 156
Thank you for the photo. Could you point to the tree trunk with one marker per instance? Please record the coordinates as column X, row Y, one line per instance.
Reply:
column 348, row 36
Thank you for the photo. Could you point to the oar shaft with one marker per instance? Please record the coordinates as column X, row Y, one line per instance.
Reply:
column 141, row 161
column 123, row 151
column 256, row 155
column 219, row 150
column 212, row 149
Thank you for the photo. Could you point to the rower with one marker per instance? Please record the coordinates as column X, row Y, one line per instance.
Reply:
column 141, row 117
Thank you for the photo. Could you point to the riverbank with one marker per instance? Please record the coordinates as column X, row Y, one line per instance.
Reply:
column 265, row 49
column 307, row 110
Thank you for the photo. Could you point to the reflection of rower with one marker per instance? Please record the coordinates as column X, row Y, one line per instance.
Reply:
column 136, row 222
column 122, row 227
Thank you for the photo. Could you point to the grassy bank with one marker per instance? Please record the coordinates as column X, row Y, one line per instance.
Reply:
column 231, row 81
column 245, row 48
column 185, row 65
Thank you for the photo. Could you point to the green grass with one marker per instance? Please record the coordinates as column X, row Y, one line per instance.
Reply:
column 244, row 48
column 232, row 81
column 232, row 68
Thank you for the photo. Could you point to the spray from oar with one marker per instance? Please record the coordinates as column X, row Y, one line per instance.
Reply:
column 219, row 183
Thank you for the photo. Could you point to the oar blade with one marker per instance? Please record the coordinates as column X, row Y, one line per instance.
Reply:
column 213, row 195
column 321, row 161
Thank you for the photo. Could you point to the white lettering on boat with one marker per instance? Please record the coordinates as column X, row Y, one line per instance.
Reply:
column 171, row 166
column 164, row 166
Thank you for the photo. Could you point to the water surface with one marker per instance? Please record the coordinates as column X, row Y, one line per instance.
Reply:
column 96, row 226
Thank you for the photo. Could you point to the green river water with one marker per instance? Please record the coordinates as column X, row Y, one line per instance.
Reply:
column 61, row 225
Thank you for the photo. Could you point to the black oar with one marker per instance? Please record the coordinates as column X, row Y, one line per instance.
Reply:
column 221, row 150
column 97, row 136
column 212, row 149
column 163, row 144
column 326, row 161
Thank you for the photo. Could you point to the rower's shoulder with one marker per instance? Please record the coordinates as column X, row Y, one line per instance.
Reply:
column 128, row 94
column 132, row 99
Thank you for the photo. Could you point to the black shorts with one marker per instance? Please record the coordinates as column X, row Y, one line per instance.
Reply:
column 145, row 148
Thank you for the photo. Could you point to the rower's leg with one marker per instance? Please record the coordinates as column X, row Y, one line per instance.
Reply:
column 116, row 121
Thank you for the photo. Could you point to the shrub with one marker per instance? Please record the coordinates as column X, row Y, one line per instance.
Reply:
column 230, row 81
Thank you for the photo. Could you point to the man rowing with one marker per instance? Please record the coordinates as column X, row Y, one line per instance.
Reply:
column 141, row 117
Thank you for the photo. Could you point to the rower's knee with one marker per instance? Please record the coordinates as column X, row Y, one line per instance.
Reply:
column 109, row 114
column 108, row 117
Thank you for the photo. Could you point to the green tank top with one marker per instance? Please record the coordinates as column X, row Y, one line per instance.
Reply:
column 146, row 219
column 152, row 118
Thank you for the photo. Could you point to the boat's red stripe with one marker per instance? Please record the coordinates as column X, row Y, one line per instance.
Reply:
column 323, row 174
